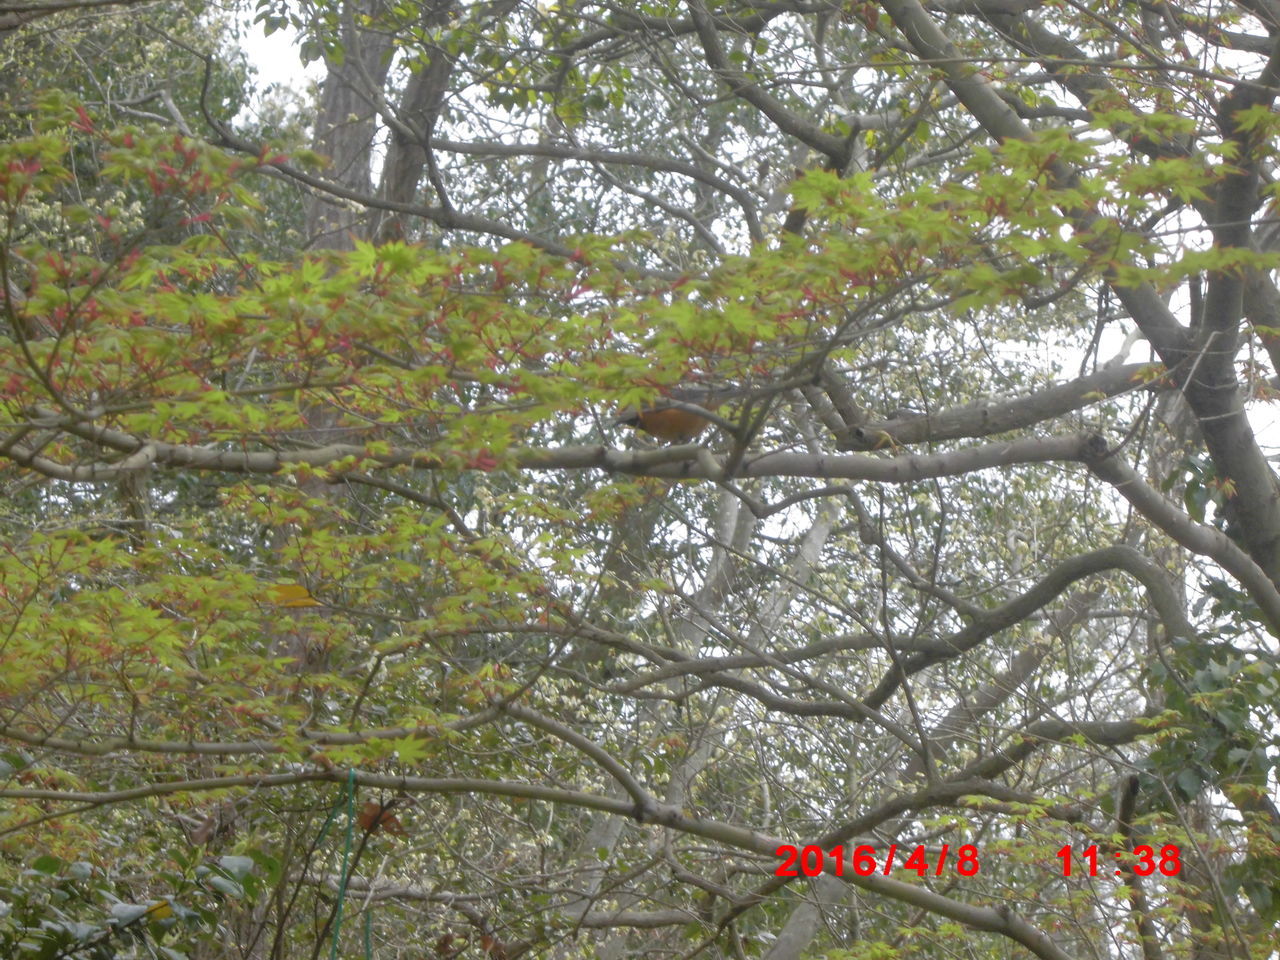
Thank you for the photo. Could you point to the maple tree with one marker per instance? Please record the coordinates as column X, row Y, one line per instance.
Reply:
column 339, row 616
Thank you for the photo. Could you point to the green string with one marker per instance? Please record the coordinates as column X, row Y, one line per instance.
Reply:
column 324, row 831
column 346, row 854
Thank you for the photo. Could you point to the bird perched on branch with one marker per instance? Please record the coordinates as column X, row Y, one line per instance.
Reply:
column 680, row 416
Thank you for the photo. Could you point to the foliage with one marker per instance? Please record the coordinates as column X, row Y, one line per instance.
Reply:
column 338, row 616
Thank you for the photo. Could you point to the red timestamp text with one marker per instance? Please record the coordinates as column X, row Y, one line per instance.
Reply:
column 1145, row 860
column 863, row 860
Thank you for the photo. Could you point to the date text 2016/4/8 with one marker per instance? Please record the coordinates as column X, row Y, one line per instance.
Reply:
column 863, row 860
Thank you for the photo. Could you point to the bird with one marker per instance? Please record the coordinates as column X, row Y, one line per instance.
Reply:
column 681, row 416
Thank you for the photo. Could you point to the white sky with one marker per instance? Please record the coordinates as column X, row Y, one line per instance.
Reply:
column 276, row 57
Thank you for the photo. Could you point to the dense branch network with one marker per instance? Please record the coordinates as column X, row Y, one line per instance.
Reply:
column 352, row 518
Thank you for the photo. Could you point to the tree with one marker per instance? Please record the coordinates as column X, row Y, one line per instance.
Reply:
column 329, row 586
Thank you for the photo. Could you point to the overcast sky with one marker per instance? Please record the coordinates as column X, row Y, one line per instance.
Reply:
column 276, row 57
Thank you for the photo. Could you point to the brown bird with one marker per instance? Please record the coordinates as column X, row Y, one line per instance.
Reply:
column 677, row 419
